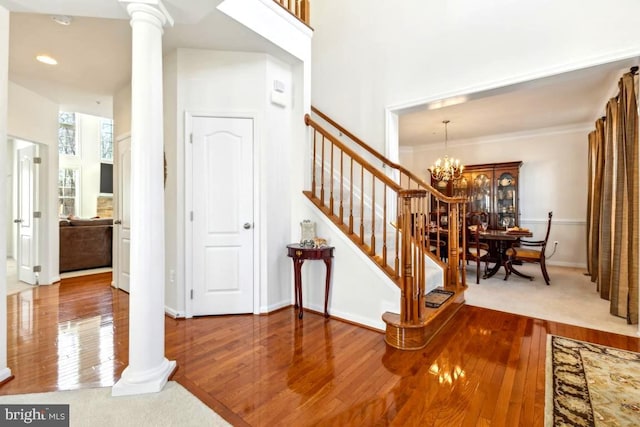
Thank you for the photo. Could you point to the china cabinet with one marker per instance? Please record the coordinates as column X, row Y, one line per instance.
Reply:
column 491, row 188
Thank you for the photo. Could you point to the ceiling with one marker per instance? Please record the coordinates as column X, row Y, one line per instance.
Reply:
column 94, row 51
column 570, row 99
column 94, row 61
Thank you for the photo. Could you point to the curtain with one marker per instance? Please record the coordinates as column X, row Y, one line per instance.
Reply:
column 606, row 231
column 612, row 209
column 625, row 287
column 596, row 169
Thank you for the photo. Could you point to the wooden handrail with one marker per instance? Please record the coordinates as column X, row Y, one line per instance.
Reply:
column 370, row 168
column 413, row 177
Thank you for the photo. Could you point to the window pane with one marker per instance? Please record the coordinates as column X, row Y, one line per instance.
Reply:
column 67, row 134
column 106, row 140
column 67, row 181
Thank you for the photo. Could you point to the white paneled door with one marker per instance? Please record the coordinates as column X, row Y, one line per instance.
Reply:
column 222, row 216
column 122, row 222
column 27, row 228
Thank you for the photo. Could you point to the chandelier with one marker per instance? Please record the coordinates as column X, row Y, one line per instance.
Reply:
column 447, row 169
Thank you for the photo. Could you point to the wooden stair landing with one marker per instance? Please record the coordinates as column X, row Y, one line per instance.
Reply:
column 415, row 337
column 398, row 334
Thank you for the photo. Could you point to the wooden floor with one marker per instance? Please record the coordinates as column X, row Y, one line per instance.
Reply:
column 485, row 367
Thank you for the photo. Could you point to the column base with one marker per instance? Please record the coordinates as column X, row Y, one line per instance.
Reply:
column 5, row 375
column 150, row 384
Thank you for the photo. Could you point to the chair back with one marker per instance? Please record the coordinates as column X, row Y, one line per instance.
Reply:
column 546, row 237
column 472, row 229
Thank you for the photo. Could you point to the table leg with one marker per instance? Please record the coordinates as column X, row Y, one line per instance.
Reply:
column 297, row 266
column 327, row 262
column 500, row 262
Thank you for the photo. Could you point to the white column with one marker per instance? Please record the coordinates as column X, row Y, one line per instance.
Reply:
column 148, row 369
column 5, row 372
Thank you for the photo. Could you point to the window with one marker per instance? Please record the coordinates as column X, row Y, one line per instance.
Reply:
column 67, row 134
column 67, row 191
column 106, row 140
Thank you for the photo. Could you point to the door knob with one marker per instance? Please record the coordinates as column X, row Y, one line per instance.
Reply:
column 247, row 225
column 117, row 221
column 17, row 221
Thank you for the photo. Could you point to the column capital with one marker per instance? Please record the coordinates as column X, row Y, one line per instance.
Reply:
column 155, row 7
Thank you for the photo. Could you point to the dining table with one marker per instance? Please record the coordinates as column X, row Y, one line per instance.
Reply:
column 499, row 241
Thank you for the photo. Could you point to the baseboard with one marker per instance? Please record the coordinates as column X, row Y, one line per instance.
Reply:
column 173, row 313
column 567, row 264
column 273, row 307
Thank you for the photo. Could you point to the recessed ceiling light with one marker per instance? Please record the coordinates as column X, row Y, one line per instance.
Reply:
column 62, row 19
column 45, row 59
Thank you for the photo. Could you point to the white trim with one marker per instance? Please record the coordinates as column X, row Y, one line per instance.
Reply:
column 550, row 131
column 573, row 221
column 567, row 264
column 5, row 373
column 173, row 313
column 278, row 306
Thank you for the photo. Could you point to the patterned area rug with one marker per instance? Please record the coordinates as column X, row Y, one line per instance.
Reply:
column 591, row 385
column 437, row 297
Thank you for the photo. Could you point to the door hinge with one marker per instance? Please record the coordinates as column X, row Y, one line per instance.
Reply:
column 37, row 214
column 191, row 138
column 191, row 216
column 37, row 160
column 191, row 293
column 37, row 269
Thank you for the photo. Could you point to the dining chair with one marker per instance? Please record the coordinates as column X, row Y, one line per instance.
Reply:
column 532, row 251
column 475, row 249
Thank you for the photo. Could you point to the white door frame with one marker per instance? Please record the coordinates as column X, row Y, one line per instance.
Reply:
column 188, row 205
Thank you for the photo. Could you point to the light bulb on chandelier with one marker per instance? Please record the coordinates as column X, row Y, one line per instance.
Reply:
column 447, row 169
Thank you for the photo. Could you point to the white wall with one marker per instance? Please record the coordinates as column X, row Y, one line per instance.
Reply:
column 35, row 119
column 122, row 112
column 371, row 55
column 235, row 84
column 275, row 194
column 552, row 178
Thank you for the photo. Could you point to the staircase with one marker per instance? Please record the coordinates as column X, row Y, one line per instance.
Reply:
column 386, row 213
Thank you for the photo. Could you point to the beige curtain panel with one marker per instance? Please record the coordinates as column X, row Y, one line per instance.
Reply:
column 612, row 206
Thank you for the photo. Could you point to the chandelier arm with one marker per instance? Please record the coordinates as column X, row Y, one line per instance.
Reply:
column 447, row 169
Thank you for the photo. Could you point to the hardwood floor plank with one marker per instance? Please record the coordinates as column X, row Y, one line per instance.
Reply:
column 485, row 368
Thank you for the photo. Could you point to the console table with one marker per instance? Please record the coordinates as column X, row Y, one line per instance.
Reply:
column 299, row 254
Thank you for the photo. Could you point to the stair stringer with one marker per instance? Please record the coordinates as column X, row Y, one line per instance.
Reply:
column 360, row 291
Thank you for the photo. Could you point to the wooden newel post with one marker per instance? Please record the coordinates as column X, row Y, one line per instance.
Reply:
column 412, row 291
column 453, row 270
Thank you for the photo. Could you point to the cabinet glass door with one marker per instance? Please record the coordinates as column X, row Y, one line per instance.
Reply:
column 460, row 187
column 506, row 200
column 480, row 193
